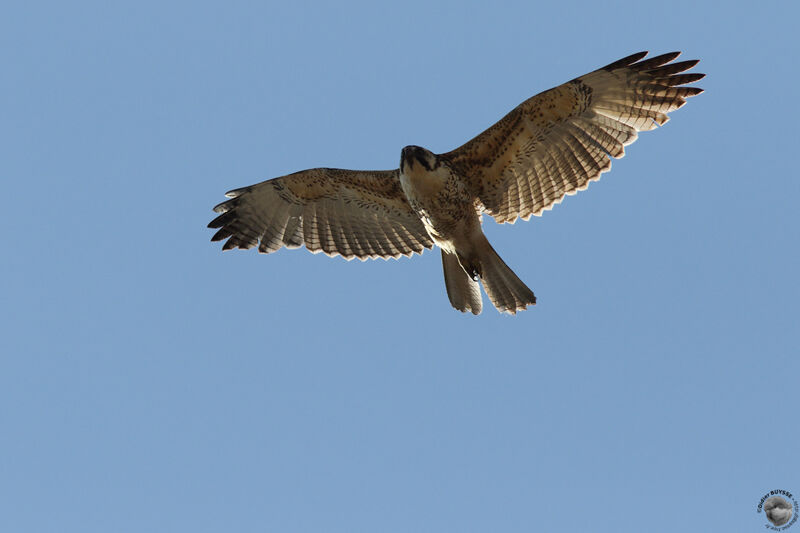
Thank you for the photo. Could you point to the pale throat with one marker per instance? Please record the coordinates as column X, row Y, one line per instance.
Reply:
column 422, row 184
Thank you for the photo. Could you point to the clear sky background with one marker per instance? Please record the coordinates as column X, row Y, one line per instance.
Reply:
column 149, row 382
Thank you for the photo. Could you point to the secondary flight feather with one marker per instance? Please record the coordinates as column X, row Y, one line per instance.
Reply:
column 550, row 146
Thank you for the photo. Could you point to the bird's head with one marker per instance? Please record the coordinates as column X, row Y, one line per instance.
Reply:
column 413, row 156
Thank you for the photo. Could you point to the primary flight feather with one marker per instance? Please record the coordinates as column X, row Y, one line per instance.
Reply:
column 551, row 145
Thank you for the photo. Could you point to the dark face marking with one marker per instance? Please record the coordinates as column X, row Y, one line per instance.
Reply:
column 411, row 154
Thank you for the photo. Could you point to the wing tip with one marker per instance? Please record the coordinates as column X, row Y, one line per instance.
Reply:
column 660, row 62
column 655, row 61
column 233, row 193
column 626, row 61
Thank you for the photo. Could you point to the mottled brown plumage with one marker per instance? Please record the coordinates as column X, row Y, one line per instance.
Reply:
column 350, row 213
column 550, row 146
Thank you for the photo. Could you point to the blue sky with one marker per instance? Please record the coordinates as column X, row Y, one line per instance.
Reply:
column 149, row 382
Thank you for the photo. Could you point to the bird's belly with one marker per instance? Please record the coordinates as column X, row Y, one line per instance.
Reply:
column 444, row 207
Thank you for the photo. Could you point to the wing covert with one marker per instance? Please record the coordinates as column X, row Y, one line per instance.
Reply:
column 557, row 142
column 351, row 213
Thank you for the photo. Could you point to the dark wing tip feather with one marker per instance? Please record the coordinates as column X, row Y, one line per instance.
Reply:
column 672, row 68
column 223, row 233
column 655, row 62
column 238, row 192
column 626, row 61
column 221, row 220
column 683, row 79
column 224, row 207
column 656, row 66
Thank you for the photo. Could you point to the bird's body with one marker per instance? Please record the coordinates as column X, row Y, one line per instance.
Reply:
column 452, row 217
column 551, row 145
column 439, row 197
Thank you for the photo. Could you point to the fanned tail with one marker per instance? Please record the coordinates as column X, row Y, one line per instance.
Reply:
column 506, row 291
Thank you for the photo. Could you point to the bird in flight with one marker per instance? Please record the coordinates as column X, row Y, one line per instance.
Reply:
column 551, row 145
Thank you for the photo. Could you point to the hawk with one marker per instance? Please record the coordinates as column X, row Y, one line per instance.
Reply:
column 552, row 145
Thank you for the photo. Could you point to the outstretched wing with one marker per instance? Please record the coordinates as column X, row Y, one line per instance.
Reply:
column 556, row 142
column 350, row 213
